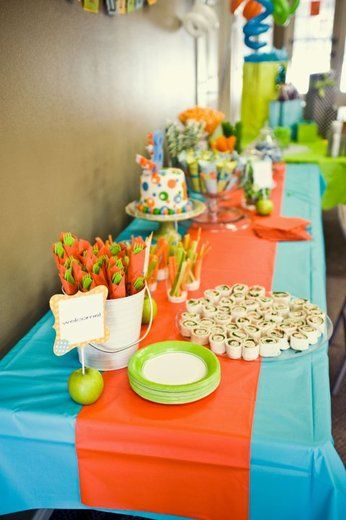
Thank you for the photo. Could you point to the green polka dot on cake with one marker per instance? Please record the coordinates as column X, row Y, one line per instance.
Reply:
column 163, row 195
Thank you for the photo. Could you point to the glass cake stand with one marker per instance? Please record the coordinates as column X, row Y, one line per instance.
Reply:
column 219, row 212
column 167, row 223
column 220, row 208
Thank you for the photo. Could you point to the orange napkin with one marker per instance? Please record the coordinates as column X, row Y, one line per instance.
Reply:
column 278, row 228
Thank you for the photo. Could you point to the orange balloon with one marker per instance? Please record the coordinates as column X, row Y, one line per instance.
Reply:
column 252, row 9
column 234, row 4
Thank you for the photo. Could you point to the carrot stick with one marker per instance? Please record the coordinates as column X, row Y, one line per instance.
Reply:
column 172, row 269
column 198, row 269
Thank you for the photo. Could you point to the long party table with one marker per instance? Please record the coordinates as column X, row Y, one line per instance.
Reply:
column 266, row 452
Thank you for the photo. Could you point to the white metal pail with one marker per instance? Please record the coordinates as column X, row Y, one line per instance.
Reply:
column 123, row 319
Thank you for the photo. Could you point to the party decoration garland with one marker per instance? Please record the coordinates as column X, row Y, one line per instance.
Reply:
column 115, row 7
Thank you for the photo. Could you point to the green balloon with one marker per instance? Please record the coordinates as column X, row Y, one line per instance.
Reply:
column 283, row 9
column 294, row 6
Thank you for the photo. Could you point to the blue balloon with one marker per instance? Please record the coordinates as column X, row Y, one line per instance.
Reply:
column 255, row 26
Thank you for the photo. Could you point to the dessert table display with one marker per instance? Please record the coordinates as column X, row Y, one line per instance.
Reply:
column 259, row 446
column 207, row 149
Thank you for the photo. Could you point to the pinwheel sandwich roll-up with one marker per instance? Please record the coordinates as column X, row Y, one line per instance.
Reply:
column 253, row 332
column 312, row 333
column 233, row 348
column 252, row 305
column 186, row 315
column 186, row 327
column 224, row 290
column 238, row 311
column 250, row 350
column 230, row 328
column 299, row 341
column 194, row 305
column 240, row 335
column 209, row 310
column 237, row 297
column 200, row 335
column 222, row 318
column 318, row 322
column 243, row 322
column 206, row 323
column 265, row 302
column 269, row 347
column 213, row 295
column 281, row 337
column 281, row 297
column 239, row 287
column 217, row 343
column 256, row 291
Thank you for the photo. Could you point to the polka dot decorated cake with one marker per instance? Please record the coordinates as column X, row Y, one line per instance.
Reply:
column 163, row 192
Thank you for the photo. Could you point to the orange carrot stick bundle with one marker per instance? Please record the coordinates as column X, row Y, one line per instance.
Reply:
column 68, row 283
column 70, row 243
column 119, row 267
column 135, row 272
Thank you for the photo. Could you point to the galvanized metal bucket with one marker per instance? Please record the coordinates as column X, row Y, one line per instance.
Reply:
column 123, row 318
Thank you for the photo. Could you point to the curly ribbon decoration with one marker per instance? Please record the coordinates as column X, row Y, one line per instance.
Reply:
column 253, row 11
column 255, row 26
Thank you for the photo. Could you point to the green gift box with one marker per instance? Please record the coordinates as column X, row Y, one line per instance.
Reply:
column 307, row 132
column 283, row 135
column 259, row 88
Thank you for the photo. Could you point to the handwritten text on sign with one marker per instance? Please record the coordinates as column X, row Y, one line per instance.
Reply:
column 79, row 319
column 262, row 174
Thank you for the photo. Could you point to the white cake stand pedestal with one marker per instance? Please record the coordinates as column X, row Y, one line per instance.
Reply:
column 167, row 223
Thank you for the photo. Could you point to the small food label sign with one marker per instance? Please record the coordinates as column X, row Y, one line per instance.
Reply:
column 262, row 174
column 79, row 319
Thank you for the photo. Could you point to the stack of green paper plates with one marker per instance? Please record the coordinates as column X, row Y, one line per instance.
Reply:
column 174, row 372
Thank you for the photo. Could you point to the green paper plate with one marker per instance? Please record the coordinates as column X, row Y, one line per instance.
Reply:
column 174, row 399
column 175, row 395
column 175, row 367
column 181, row 389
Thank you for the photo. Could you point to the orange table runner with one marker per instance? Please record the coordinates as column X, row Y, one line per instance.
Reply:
column 191, row 460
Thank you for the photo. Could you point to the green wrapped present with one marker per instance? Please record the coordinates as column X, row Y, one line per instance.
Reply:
column 307, row 132
column 259, row 88
column 283, row 136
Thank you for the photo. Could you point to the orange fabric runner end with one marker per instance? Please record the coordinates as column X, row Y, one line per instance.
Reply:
column 191, row 460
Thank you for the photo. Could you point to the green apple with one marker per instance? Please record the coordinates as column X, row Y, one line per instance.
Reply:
column 146, row 310
column 264, row 206
column 85, row 388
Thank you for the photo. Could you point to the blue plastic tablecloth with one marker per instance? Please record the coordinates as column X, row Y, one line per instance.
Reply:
column 295, row 471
